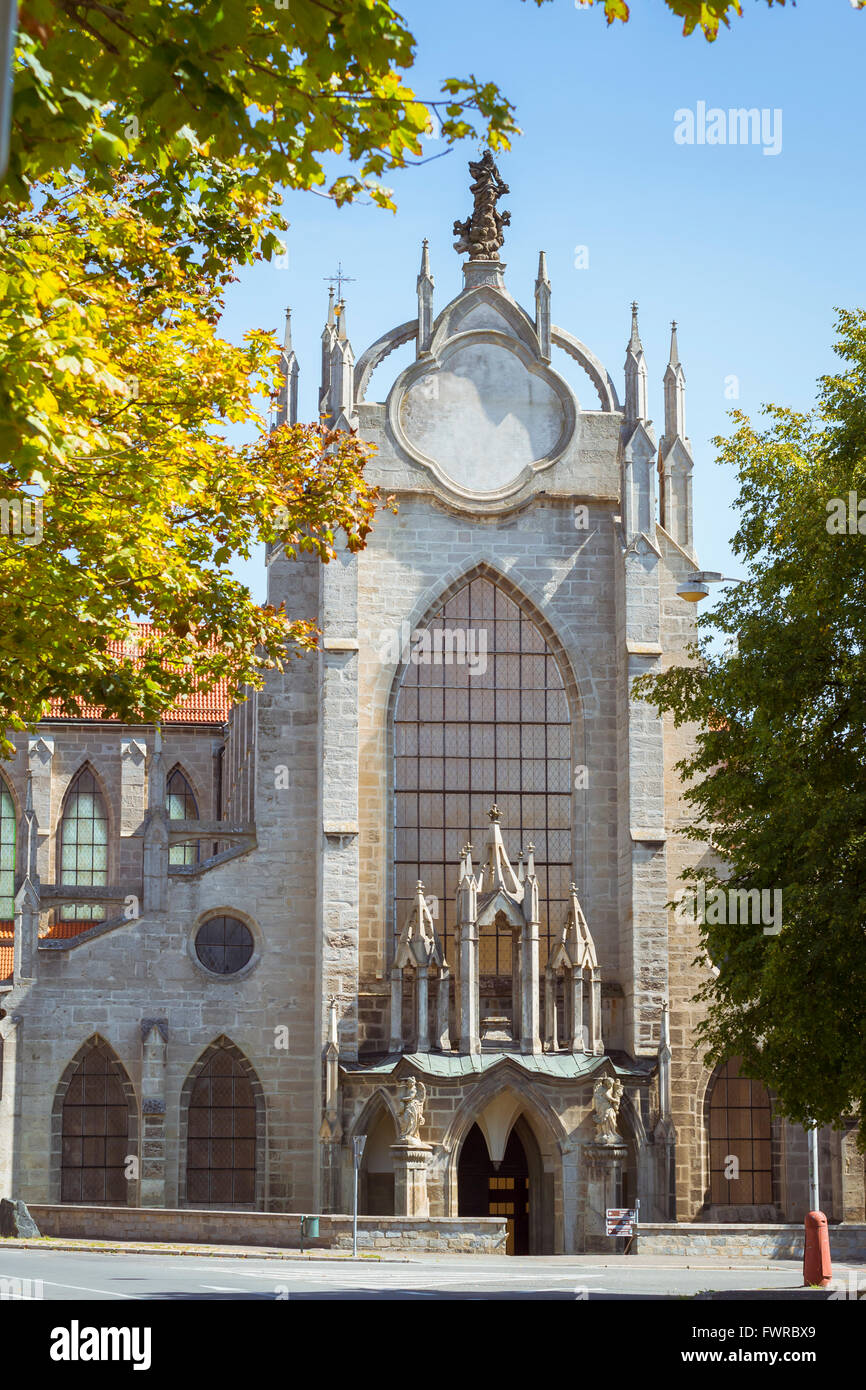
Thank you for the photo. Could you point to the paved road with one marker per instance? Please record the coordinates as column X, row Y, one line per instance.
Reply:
column 120, row 1278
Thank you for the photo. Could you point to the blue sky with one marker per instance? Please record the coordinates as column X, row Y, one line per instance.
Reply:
column 749, row 252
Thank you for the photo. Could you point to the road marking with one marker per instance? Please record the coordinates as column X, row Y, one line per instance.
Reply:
column 221, row 1288
column 405, row 1276
column 84, row 1288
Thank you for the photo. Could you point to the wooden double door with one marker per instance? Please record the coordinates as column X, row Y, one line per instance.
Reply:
column 484, row 1190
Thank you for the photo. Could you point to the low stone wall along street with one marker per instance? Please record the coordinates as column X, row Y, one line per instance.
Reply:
column 776, row 1242
column 483, row 1235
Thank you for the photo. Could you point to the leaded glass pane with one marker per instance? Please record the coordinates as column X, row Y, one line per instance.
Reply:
column 467, row 736
column 7, row 854
column 180, row 804
column 84, row 846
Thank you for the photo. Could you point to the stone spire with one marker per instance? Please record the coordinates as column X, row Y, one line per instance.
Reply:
column 675, row 461
column 635, row 375
column 287, row 401
column 156, row 832
column 329, row 337
column 497, row 874
column 481, row 235
column 425, row 303
column 542, row 307
column 27, row 904
column 342, row 399
column 418, row 943
column 675, row 394
column 665, row 1063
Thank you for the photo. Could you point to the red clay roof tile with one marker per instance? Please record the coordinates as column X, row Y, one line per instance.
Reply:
column 208, row 707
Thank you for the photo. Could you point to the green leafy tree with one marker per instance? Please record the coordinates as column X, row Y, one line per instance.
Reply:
column 776, row 776
column 122, row 498
column 705, row 15
column 268, row 90
column 152, row 144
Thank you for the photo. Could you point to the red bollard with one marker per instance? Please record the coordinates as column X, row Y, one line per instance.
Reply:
column 817, row 1268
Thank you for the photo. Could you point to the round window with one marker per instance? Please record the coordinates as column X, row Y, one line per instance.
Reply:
column 224, row 945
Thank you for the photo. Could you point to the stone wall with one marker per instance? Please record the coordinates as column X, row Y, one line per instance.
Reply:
column 461, row 1235
column 734, row 1241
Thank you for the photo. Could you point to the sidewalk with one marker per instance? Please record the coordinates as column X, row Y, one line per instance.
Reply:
column 259, row 1252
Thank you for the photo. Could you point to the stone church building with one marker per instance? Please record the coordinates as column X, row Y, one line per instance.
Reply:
column 438, row 851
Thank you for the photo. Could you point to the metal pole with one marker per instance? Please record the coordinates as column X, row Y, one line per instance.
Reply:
column 8, row 30
column 357, row 1154
column 814, row 1193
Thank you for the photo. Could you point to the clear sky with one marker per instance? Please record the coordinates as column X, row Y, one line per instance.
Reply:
column 750, row 252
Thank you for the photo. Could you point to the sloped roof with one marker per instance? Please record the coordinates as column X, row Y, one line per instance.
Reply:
column 56, row 932
column 201, row 707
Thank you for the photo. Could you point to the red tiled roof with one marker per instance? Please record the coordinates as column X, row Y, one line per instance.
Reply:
column 62, row 931
column 59, row 931
column 208, row 707
column 7, row 952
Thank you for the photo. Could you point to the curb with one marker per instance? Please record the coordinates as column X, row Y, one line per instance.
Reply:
column 49, row 1243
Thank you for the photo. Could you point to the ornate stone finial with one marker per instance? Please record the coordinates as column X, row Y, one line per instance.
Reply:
column 481, row 234
column 494, row 814
column 634, row 341
column 675, row 352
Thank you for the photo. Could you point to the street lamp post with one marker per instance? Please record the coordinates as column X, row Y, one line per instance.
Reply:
column 8, row 29
column 697, row 585
column 357, row 1154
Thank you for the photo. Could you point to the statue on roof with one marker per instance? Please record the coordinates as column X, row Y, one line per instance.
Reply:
column 410, row 1117
column 606, row 1098
column 481, row 234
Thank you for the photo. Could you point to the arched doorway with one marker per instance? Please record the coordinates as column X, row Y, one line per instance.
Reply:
column 376, row 1179
column 488, row 1189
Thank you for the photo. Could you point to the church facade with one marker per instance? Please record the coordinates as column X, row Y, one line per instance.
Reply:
column 412, row 899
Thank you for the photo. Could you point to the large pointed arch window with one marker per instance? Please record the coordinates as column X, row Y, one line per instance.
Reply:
column 489, row 724
column 7, row 854
column 221, row 1144
column 180, row 804
column 741, row 1169
column 84, row 846
column 95, row 1132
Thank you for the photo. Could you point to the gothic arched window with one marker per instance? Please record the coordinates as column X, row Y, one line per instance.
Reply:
column 221, row 1144
column 180, row 804
column 84, row 846
column 741, row 1171
column 482, row 716
column 7, row 854
column 95, row 1133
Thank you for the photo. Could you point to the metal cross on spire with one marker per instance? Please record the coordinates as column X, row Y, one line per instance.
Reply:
column 341, row 280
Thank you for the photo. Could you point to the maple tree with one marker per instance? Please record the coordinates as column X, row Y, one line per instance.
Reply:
column 152, row 142
column 116, row 396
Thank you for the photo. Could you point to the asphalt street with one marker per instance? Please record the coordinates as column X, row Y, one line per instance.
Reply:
column 83, row 1277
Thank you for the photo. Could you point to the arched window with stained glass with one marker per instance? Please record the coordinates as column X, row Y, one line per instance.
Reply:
column 84, row 846
column 180, row 804
column 8, row 835
column 481, row 716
